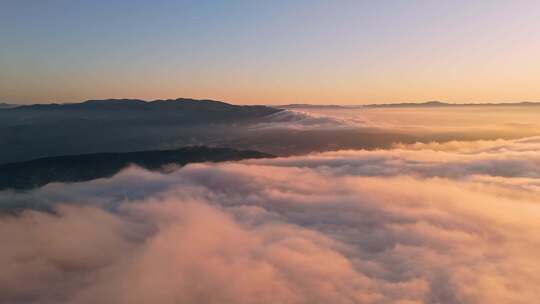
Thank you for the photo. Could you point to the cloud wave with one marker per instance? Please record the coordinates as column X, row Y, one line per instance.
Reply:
column 304, row 120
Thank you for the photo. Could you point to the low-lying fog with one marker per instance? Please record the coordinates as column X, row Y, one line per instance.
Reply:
column 303, row 130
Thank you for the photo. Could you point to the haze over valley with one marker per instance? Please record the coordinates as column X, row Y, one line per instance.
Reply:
column 43, row 130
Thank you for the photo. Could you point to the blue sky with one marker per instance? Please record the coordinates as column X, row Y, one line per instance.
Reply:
column 269, row 51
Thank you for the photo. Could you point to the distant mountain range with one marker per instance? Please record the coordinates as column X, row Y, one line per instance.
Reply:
column 78, row 168
column 428, row 104
column 122, row 125
column 177, row 111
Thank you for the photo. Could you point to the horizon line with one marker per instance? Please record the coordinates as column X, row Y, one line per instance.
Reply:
column 433, row 101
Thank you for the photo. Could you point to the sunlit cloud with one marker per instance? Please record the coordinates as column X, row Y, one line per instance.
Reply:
column 414, row 224
column 456, row 123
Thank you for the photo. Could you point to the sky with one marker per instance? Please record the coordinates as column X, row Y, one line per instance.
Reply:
column 270, row 52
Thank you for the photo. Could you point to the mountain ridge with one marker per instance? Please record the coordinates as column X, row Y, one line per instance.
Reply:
column 92, row 126
column 84, row 167
column 115, row 111
column 133, row 103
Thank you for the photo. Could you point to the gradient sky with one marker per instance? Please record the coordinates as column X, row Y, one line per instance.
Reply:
column 270, row 52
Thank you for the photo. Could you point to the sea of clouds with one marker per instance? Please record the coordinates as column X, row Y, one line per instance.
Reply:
column 424, row 223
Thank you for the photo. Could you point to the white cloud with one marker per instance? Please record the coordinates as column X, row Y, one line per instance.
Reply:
column 416, row 224
column 304, row 120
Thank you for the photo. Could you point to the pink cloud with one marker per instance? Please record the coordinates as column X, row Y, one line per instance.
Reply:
column 408, row 225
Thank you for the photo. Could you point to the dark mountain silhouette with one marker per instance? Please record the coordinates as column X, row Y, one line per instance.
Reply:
column 78, row 168
column 123, row 125
column 174, row 111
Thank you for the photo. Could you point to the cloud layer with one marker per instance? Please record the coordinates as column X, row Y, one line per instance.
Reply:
column 425, row 223
column 460, row 123
column 305, row 120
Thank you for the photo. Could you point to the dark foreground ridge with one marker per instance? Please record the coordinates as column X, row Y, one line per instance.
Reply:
column 77, row 168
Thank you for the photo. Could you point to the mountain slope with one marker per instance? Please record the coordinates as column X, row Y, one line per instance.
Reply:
column 123, row 125
column 77, row 168
column 116, row 111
